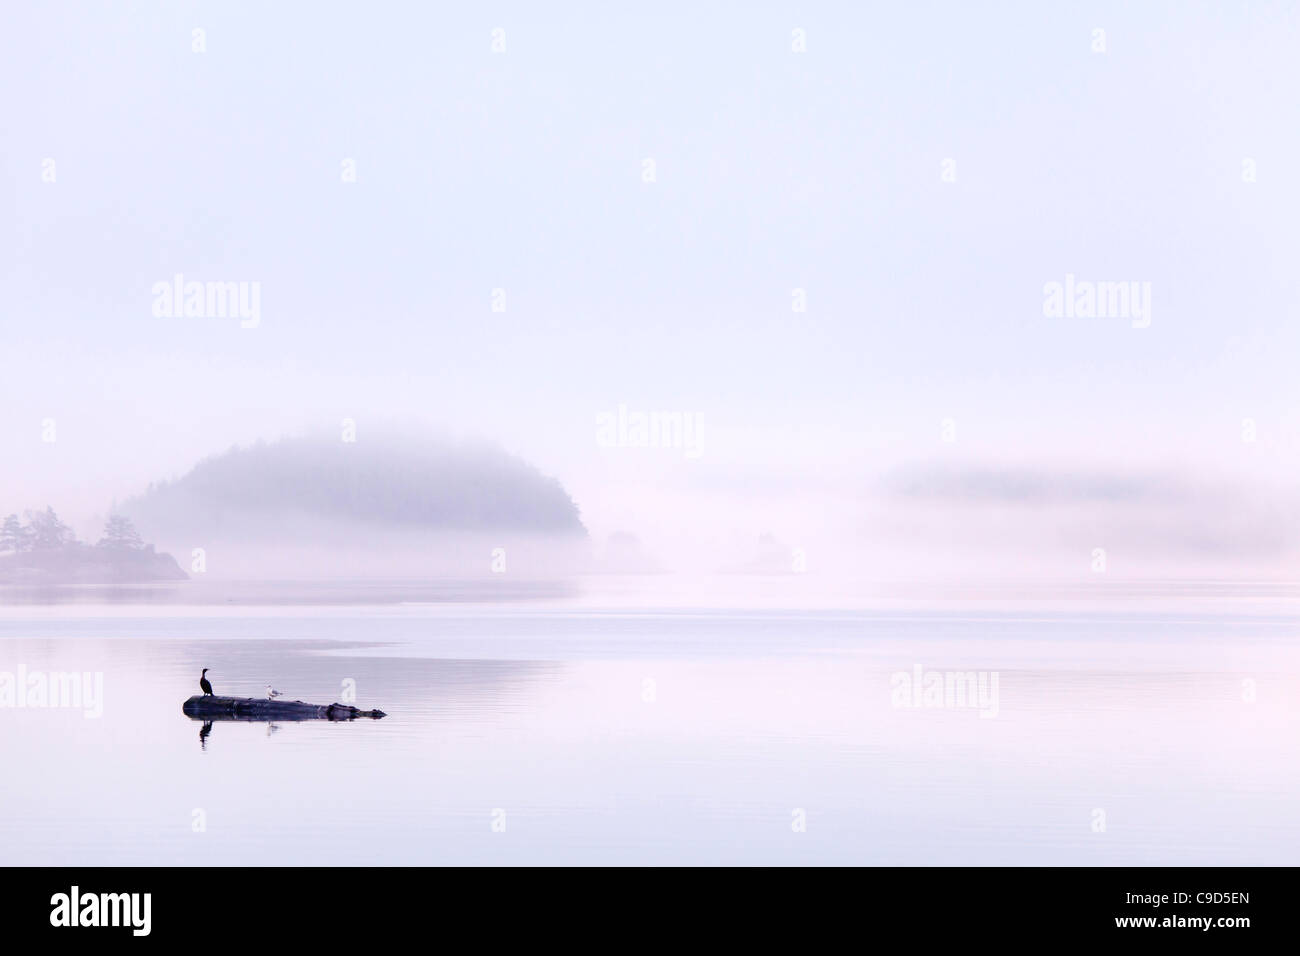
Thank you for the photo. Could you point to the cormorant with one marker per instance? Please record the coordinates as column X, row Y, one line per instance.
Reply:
column 203, row 682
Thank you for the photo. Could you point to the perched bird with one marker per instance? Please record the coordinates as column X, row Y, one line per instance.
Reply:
column 203, row 682
column 272, row 693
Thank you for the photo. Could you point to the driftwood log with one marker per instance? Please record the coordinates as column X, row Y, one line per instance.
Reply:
column 211, row 707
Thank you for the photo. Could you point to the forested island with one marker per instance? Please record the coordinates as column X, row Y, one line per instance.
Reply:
column 44, row 550
column 393, row 506
column 297, row 487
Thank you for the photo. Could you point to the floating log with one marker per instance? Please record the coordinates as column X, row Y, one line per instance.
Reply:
column 211, row 707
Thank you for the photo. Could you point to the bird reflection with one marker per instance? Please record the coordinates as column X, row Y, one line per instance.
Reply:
column 271, row 728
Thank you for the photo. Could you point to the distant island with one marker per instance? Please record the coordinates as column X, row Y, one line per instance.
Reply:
column 44, row 550
column 290, row 488
column 389, row 505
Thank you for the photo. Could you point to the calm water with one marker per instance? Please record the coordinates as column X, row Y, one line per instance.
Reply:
column 590, row 735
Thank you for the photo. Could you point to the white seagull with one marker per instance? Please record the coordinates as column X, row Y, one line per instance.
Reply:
column 272, row 693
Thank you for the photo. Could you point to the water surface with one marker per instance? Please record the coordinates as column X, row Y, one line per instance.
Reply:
column 553, row 732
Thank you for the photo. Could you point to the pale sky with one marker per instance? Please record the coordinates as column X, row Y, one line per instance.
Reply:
column 774, row 170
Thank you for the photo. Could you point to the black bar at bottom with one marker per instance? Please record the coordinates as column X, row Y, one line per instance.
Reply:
column 290, row 907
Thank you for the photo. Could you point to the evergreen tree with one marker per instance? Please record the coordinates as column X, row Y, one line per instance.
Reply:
column 48, row 533
column 120, row 535
column 13, row 536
